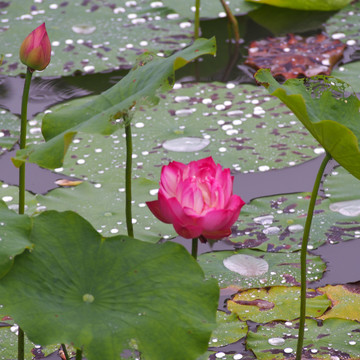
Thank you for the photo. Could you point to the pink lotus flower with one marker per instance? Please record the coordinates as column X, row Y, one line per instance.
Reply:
column 35, row 51
column 197, row 199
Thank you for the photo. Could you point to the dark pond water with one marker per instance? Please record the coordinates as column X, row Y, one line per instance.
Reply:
column 341, row 259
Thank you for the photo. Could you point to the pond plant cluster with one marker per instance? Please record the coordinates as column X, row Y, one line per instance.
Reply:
column 153, row 157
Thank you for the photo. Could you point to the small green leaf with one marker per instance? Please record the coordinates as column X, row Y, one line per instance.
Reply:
column 103, row 294
column 331, row 118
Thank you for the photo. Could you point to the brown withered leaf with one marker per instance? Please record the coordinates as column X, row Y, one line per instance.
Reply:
column 295, row 56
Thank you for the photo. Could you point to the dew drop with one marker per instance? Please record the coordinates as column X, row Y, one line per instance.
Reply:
column 288, row 350
column 220, row 355
column 352, row 342
column 276, row 341
column 184, row 112
column 337, row 36
column 319, row 151
column 346, row 208
column 7, row 198
column 114, row 231
column 83, row 29
column 273, row 230
column 237, row 357
column 264, row 220
column 186, row 144
column 295, row 228
column 246, row 265
column 264, row 168
column 154, row 191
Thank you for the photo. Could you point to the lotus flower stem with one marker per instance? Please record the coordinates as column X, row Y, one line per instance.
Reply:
column 129, row 225
column 24, row 104
column 197, row 19
column 194, row 247
column 304, row 252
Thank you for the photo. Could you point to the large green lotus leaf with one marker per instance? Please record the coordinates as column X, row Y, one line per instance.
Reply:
column 103, row 294
column 331, row 118
column 322, row 5
column 14, row 236
column 210, row 9
column 259, row 269
column 331, row 339
column 229, row 329
column 345, row 301
column 103, row 205
column 276, row 303
column 9, row 130
column 344, row 25
column 349, row 73
column 235, row 124
column 92, row 35
column 102, row 114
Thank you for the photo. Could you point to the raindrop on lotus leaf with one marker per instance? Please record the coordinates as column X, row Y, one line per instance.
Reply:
column 186, row 144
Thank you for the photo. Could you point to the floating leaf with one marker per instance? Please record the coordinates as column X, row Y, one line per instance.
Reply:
column 327, row 5
column 288, row 57
column 104, row 206
column 14, row 236
column 104, row 293
column 345, row 301
column 276, row 223
column 81, row 38
column 331, row 117
column 331, row 339
column 229, row 329
column 276, row 303
column 103, row 114
column 344, row 25
column 284, row 269
column 237, row 124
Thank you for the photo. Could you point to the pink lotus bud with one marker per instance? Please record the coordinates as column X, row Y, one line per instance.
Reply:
column 35, row 51
column 197, row 199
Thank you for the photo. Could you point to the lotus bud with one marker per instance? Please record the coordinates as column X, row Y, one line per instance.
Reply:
column 35, row 51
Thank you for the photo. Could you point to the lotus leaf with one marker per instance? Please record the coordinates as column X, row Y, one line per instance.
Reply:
column 102, row 294
column 326, row 111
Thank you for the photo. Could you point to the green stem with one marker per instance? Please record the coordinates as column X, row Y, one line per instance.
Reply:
column 232, row 20
column 194, row 247
column 197, row 19
column 78, row 354
column 304, row 252
column 24, row 105
column 21, row 344
column 63, row 347
column 129, row 223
